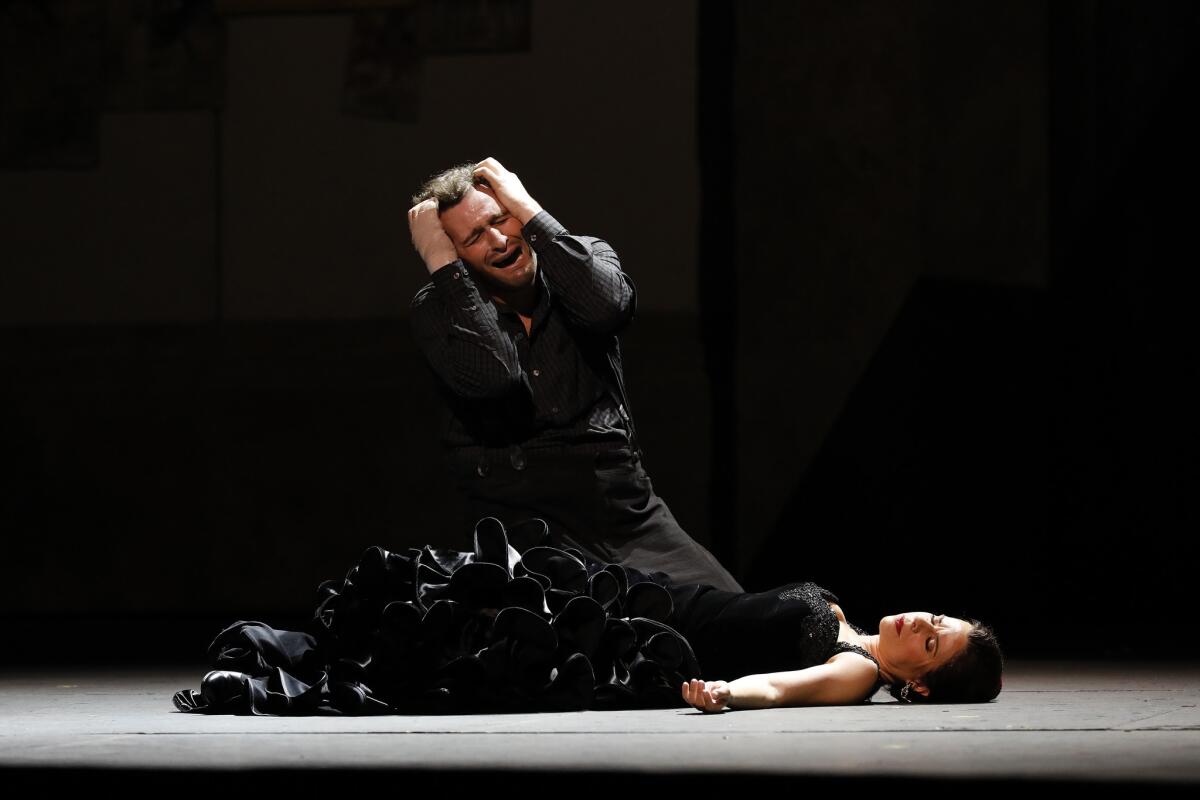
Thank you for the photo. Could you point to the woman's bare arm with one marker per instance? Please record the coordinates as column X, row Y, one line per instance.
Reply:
column 846, row 678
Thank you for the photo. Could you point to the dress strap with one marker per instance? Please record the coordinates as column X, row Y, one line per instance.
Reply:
column 853, row 648
column 843, row 647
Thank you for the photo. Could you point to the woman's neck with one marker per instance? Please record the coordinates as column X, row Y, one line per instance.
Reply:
column 871, row 645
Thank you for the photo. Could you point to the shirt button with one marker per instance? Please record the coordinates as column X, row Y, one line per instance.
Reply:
column 455, row 275
column 533, row 237
column 554, row 410
column 537, row 373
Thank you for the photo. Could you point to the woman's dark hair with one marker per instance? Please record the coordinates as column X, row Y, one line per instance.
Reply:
column 973, row 676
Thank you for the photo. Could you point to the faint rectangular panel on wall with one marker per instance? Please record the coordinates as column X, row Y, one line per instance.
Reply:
column 50, row 84
column 164, row 57
column 233, row 7
column 474, row 26
column 383, row 66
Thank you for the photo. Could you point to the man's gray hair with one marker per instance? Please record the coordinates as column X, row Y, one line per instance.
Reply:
column 447, row 187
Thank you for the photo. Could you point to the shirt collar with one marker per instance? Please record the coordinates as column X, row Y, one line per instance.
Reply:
column 540, row 311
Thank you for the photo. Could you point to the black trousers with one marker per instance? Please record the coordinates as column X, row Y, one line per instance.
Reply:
column 601, row 503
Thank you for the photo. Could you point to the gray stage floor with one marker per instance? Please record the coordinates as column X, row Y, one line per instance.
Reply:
column 1053, row 721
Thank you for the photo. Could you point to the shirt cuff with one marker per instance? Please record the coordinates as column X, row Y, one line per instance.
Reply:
column 450, row 277
column 541, row 230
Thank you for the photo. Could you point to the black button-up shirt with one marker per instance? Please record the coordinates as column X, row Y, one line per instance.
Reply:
column 510, row 392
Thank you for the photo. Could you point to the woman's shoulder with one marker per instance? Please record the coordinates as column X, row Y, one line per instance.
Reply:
column 847, row 651
column 857, row 667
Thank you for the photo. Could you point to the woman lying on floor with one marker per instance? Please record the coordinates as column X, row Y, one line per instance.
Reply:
column 546, row 628
column 921, row 657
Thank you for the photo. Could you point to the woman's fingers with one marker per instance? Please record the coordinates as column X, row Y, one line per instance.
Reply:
column 704, row 695
column 713, row 695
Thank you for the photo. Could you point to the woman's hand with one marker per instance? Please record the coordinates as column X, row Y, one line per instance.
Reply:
column 706, row 695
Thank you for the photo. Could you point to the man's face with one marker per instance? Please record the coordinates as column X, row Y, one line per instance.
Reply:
column 488, row 240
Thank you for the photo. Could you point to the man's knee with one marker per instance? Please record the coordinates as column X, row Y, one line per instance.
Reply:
column 685, row 561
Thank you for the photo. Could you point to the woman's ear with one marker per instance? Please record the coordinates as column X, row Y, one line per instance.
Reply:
column 920, row 687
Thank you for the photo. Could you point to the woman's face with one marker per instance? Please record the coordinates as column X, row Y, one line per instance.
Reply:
column 915, row 642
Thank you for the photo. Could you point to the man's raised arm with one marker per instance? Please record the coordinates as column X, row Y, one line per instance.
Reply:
column 583, row 272
column 457, row 330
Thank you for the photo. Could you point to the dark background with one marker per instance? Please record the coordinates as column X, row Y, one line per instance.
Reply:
column 914, row 312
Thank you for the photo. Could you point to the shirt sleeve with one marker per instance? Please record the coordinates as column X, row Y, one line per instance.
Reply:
column 584, row 275
column 460, row 335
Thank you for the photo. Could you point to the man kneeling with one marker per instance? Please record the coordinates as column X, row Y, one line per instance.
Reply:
column 519, row 325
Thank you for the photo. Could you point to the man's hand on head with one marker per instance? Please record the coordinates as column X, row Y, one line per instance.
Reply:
column 429, row 237
column 509, row 190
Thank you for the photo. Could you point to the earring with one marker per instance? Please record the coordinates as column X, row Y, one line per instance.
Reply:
column 904, row 692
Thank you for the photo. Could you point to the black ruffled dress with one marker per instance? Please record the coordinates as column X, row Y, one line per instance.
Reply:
column 530, row 627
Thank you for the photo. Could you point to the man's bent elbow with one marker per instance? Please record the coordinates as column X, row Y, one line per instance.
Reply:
column 609, row 320
column 493, row 385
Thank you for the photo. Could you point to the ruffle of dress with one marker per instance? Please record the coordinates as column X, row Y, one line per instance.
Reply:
column 435, row 630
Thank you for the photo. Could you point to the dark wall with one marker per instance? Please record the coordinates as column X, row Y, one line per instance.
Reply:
column 879, row 145
column 178, row 470
column 989, row 303
column 281, row 204
column 1123, row 427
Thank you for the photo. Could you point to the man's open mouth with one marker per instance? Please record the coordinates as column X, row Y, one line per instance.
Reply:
column 508, row 260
